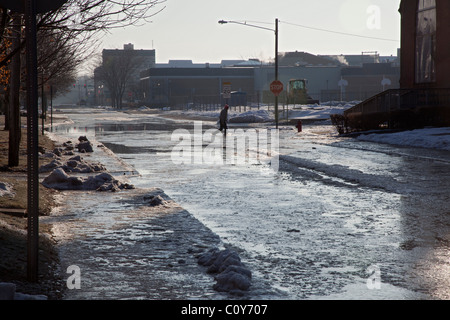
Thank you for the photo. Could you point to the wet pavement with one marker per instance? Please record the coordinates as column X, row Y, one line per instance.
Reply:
column 339, row 219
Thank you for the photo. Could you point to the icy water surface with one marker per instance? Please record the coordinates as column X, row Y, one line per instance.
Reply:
column 339, row 219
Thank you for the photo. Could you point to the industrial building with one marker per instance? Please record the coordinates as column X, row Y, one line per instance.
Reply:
column 181, row 82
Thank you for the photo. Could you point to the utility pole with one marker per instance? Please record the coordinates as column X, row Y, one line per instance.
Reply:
column 276, row 53
column 276, row 70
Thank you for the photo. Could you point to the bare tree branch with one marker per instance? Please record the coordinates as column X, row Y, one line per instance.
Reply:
column 84, row 21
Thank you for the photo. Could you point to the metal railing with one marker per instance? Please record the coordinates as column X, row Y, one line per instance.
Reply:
column 402, row 99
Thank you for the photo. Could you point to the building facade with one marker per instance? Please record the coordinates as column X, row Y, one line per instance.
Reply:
column 142, row 60
column 425, row 49
column 182, row 86
column 423, row 98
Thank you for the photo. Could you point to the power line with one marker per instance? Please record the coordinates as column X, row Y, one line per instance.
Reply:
column 320, row 29
column 337, row 32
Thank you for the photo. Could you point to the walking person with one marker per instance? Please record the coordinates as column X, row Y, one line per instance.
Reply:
column 223, row 120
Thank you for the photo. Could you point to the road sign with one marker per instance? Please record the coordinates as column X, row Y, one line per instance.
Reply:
column 276, row 87
column 226, row 90
column 386, row 82
column 342, row 83
column 42, row 6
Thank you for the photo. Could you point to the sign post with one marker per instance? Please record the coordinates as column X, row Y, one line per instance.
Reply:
column 342, row 83
column 226, row 91
column 32, row 141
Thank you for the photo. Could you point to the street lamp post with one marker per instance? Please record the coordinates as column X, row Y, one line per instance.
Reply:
column 276, row 54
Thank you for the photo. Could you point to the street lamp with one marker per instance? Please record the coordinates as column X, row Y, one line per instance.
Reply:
column 276, row 53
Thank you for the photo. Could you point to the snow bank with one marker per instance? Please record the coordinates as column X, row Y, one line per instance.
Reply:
column 59, row 180
column 230, row 273
column 341, row 175
column 256, row 116
column 8, row 292
column 435, row 138
column 322, row 111
column 85, row 145
column 74, row 164
column 6, row 190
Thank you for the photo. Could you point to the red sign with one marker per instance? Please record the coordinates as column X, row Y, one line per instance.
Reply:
column 276, row 87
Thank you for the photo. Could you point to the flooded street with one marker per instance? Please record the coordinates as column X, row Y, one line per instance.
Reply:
column 337, row 219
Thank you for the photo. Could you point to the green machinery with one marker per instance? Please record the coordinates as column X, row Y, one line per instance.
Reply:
column 298, row 93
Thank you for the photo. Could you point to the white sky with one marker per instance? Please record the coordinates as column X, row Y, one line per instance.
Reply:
column 189, row 29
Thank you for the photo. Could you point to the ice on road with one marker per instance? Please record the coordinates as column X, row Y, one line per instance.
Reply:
column 340, row 218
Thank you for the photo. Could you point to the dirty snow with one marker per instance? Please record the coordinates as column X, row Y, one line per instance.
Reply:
column 6, row 190
column 265, row 113
column 435, row 138
column 104, row 181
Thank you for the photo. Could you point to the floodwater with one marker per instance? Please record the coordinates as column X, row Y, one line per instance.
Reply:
column 334, row 218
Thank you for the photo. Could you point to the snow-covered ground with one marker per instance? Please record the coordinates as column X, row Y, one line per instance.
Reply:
column 435, row 138
column 320, row 112
column 265, row 113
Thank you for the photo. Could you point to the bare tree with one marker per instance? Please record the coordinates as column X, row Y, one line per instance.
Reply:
column 117, row 71
column 69, row 35
column 85, row 21
column 15, row 132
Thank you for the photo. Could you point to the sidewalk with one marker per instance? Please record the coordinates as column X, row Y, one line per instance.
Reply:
column 131, row 244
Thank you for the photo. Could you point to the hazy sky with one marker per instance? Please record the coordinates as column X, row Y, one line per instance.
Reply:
column 189, row 29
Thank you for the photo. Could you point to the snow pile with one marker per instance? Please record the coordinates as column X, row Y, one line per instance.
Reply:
column 85, row 145
column 74, row 164
column 66, row 149
column 157, row 198
column 256, row 116
column 435, row 138
column 337, row 174
column 230, row 273
column 59, row 167
column 322, row 111
column 207, row 114
column 59, row 180
column 6, row 190
column 8, row 292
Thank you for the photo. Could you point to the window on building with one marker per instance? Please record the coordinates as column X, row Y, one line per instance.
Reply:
column 426, row 41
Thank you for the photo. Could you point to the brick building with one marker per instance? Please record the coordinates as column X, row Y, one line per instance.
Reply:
column 424, row 95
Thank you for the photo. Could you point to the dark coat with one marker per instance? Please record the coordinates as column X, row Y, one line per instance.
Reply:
column 223, row 116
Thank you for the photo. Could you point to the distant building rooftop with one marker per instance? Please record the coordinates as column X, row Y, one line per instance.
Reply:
column 301, row 59
column 222, row 64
